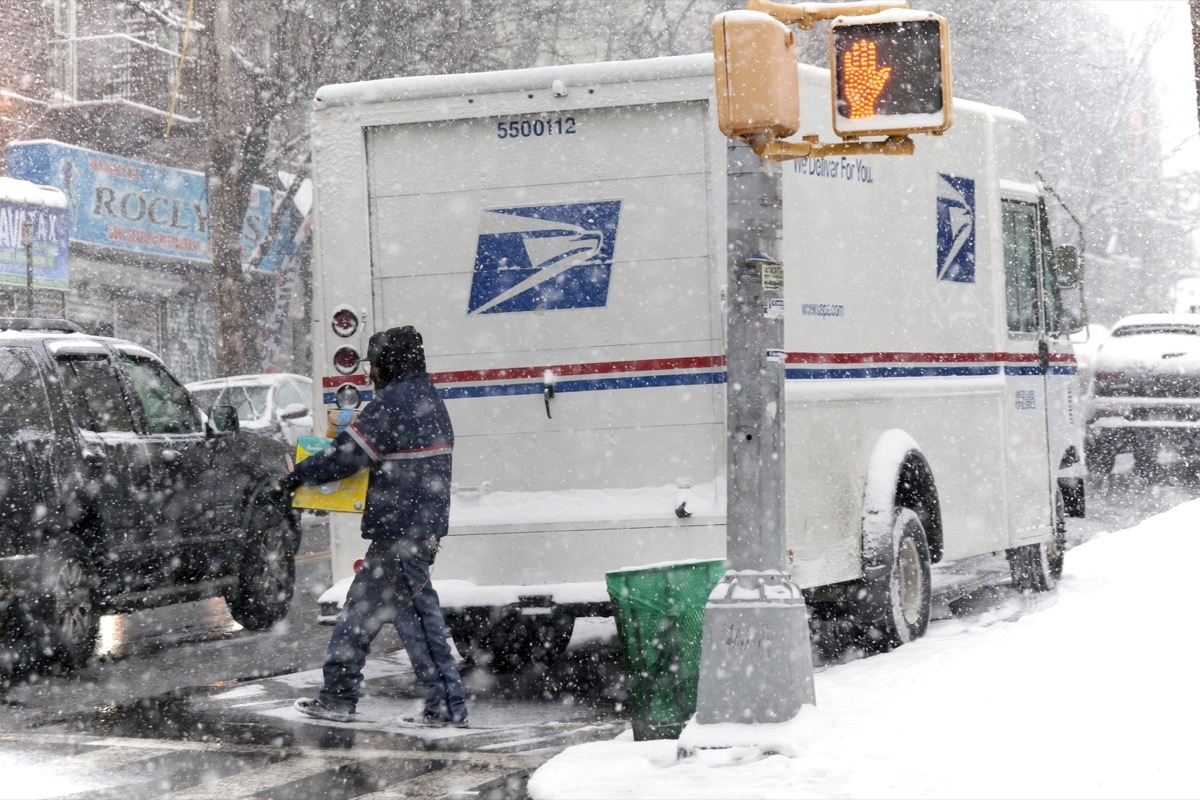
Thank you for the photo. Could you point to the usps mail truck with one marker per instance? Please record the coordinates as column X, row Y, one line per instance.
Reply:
column 558, row 235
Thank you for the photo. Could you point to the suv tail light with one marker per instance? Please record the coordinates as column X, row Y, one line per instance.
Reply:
column 346, row 360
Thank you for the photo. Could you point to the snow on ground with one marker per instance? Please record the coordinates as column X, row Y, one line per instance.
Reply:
column 1091, row 691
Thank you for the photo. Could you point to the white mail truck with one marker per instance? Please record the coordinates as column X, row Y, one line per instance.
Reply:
column 558, row 235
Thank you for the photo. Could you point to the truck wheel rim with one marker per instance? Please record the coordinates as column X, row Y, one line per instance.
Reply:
column 912, row 586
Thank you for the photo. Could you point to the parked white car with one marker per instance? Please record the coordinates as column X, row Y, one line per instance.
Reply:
column 273, row 404
column 1145, row 392
column 1086, row 343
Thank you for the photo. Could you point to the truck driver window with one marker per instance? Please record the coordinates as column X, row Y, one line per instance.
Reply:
column 1052, row 304
column 94, row 392
column 1021, row 264
column 164, row 401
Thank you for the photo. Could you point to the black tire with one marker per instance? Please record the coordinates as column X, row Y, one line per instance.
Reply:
column 894, row 607
column 69, row 611
column 1145, row 457
column 1031, row 569
column 512, row 642
column 267, row 573
column 1038, row 567
column 1100, row 454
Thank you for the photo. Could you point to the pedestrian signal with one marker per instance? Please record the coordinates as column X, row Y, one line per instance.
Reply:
column 758, row 86
column 891, row 74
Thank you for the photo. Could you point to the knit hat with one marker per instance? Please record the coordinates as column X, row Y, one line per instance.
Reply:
column 396, row 353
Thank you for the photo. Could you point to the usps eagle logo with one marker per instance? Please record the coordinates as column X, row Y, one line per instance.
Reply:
column 956, row 229
column 544, row 257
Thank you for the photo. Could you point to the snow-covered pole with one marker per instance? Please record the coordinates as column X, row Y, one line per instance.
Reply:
column 756, row 656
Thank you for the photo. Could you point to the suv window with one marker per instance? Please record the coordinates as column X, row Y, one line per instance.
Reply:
column 94, row 393
column 24, row 405
column 163, row 399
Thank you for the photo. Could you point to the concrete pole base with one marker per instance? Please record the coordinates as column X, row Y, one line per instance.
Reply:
column 756, row 655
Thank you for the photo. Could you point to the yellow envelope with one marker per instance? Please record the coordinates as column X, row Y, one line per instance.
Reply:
column 348, row 494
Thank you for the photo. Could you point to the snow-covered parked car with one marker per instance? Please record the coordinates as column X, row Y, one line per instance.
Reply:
column 272, row 404
column 1145, row 392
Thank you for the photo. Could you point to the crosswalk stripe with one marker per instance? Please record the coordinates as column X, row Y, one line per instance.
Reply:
column 440, row 784
column 259, row 778
column 103, row 757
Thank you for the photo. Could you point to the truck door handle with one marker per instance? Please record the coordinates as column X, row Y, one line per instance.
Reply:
column 170, row 456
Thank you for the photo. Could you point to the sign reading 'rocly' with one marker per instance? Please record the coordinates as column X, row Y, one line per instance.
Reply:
column 131, row 205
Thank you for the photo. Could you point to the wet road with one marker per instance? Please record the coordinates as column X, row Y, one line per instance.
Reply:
column 182, row 703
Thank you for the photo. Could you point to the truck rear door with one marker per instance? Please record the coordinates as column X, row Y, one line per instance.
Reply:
column 567, row 254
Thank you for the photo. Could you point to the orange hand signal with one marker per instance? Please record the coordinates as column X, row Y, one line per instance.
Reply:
column 864, row 79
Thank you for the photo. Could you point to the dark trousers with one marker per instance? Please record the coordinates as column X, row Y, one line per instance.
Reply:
column 394, row 586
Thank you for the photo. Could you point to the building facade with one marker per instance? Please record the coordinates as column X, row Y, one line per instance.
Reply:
column 100, row 99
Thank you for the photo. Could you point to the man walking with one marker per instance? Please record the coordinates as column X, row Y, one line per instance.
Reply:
column 404, row 435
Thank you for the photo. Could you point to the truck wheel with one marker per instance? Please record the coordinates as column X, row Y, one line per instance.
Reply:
column 1145, row 456
column 894, row 607
column 71, row 614
column 267, row 575
column 1039, row 567
column 1100, row 454
column 512, row 642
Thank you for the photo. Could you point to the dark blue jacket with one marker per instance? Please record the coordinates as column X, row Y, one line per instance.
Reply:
column 404, row 435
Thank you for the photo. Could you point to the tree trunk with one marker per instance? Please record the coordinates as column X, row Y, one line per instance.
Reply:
column 1195, row 7
column 226, row 197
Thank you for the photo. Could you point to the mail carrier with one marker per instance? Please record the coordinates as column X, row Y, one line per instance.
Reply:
column 558, row 235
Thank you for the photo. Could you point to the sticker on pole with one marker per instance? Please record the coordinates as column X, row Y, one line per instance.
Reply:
column 348, row 494
column 772, row 277
column 776, row 356
column 535, row 258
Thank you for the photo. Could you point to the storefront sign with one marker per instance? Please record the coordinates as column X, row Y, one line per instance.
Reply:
column 24, row 219
column 131, row 205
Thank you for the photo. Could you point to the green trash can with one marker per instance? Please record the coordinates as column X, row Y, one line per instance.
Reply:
column 660, row 621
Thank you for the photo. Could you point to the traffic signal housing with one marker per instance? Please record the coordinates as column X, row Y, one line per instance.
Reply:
column 758, row 85
column 890, row 74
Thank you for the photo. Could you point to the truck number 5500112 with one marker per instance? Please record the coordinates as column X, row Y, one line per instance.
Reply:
column 519, row 129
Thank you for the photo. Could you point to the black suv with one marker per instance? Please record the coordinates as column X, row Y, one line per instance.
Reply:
column 117, row 494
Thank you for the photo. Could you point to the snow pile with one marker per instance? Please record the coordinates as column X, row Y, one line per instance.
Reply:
column 1090, row 691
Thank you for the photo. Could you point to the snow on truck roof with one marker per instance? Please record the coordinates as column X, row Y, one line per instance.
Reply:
column 510, row 80
column 14, row 190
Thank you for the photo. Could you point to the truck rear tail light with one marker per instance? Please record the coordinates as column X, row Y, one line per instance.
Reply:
column 345, row 322
column 358, row 565
column 348, row 396
column 346, row 360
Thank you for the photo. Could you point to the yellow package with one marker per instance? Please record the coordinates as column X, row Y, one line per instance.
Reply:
column 348, row 494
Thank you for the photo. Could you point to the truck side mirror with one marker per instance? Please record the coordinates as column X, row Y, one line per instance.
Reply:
column 1067, row 266
column 224, row 419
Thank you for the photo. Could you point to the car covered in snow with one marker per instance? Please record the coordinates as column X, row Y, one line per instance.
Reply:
column 274, row 404
column 1145, row 392
column 117, row 494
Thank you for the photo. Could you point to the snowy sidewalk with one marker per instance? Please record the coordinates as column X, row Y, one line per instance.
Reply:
column 1091, row 691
